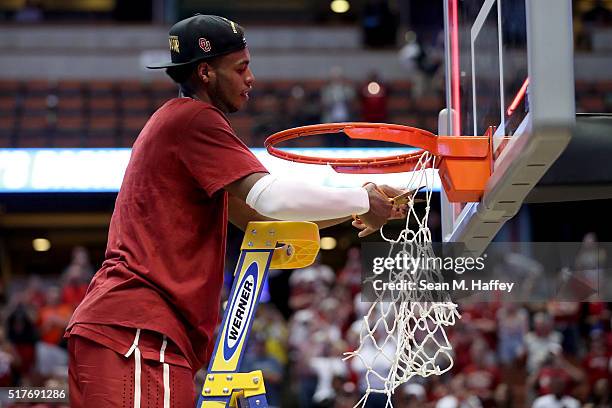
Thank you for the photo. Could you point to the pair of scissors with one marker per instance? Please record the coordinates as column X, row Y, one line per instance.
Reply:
column 401, row 199
column 405, row 198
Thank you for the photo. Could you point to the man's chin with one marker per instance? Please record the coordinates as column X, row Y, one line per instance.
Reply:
column 227, row 107
column 235, row 108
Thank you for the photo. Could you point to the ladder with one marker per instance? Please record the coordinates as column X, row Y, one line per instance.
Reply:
column 266, row 245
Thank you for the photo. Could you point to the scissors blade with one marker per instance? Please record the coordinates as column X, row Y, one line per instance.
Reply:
column 406, row 197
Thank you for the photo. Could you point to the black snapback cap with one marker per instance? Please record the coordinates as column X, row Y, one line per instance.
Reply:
column 201, row 37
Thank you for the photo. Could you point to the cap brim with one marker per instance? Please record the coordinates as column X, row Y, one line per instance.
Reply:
column 167, row 65
column 208, row 57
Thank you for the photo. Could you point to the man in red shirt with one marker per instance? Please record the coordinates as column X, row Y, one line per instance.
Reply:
column 147, row 321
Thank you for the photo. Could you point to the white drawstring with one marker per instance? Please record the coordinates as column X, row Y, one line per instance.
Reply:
column 134, row 349
column 166, row 373
column 162, row 359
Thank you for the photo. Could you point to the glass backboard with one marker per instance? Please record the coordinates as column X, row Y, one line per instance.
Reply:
column 509, row 71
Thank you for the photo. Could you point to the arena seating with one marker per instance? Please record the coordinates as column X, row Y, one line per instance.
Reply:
column 111, row 113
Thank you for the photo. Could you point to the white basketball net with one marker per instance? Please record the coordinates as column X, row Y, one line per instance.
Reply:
column 403, row 332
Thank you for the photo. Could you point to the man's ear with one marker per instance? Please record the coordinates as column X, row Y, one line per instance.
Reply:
column 204, row 72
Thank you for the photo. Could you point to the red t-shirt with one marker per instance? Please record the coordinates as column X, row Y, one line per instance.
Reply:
column 481, row 380
column 166, row 245
column 373, row 106
column 73, row 293
column 597, row 366
column 546, row 376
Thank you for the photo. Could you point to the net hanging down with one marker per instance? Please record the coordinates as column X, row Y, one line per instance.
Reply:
column 403, row 333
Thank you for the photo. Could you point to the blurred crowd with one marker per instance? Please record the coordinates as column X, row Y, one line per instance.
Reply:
column 338, row 99
column 549, row 354
column 590, row 16
column 35, row 314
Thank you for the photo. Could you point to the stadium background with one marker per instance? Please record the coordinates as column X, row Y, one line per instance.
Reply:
column 71, row 75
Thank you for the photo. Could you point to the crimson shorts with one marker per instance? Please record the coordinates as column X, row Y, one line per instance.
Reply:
column 100, row 377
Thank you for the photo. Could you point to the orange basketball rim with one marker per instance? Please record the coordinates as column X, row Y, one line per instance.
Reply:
column 464, row 162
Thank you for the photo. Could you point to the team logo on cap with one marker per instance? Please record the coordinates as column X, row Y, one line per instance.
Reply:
column 174, row 43
column 204, row 44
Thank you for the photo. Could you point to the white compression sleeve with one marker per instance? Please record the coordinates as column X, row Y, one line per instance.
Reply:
column 298, row 201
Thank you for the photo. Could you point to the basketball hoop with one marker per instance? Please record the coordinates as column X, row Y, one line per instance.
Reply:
column 464, row 162
column 403, row 334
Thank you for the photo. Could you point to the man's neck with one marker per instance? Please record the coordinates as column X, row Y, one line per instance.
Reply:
column 200, row 96
column 187, row 91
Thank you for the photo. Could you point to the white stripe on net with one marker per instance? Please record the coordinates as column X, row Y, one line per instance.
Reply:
column 403, row 333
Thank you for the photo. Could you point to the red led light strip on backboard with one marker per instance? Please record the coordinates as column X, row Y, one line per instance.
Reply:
column 454, row 45
column 518, row 98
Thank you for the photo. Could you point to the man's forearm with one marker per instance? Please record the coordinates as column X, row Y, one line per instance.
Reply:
column 294, row 200
column 240, row 214
column 330, row 223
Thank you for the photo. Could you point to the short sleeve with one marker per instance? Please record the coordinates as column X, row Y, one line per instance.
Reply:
column 213, row 154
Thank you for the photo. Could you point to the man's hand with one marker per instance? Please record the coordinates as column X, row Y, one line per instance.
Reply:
column 380, row 211
column 398, row 211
